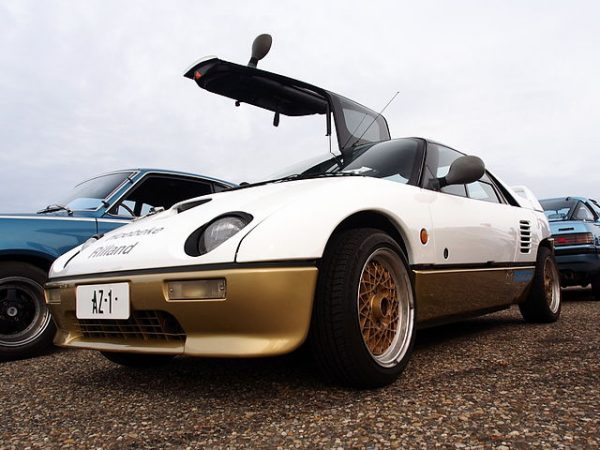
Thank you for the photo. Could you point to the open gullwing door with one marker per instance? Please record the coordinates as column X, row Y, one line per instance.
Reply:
column 354, row 123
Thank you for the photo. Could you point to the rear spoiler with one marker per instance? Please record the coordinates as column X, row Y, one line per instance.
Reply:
column 527, row 198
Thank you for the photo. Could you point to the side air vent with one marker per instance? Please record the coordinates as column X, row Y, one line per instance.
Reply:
column 184, row 206
column 525, row 236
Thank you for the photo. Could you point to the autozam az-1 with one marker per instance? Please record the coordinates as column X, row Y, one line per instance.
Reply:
column 351, row 253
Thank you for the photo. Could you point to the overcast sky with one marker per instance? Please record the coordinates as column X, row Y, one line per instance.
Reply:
column 91, row 86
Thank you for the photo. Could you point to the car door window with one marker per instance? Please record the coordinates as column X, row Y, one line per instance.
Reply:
column 159, row 191
column 439, row 160
column 582, row 212
column 482, row 191
column 595, row 208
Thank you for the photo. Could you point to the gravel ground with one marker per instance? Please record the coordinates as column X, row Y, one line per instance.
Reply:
column 490, row 382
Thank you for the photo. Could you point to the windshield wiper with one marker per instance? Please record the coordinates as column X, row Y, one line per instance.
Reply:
column 56, row 207
column 298, row 176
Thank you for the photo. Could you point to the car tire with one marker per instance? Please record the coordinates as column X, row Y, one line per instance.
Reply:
column 26, row 326
column 363, row 324
column 543, row 303
column 138, row 360
column 596, row 287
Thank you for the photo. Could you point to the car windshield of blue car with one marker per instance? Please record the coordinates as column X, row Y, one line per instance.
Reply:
column 559, row 209
column 392, row 160
column 595, row 206
column 90, row 194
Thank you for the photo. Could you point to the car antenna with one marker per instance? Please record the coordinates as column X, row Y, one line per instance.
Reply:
column 372, row 122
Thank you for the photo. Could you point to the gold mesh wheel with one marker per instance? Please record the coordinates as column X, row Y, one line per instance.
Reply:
column 551, row 285
column 385, row 307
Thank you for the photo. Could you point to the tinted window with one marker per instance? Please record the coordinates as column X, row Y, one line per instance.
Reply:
column 446, row 157
column 398, row 160
column 482, row 191
column 582, row 212
column 393, row 160
column 361, row 124
column 90, row 193
column 439, row 160
column 455, row 189
column 159, row 191
column 357, row 124
column 559, row 208
column 595, row 207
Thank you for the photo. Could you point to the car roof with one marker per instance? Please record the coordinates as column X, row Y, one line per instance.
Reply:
column 146, row 170
column 566, row 198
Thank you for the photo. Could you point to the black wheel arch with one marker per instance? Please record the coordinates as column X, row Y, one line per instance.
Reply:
column 544, row 243
column 548, row 243
column 376, row 220
column 41, row 260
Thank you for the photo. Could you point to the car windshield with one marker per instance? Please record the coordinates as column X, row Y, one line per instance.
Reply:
column 559, row 209
column 595, row 206
column 89, row 194
column 395, row 160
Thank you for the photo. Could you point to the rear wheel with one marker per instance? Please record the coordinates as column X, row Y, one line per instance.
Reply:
column 544, row 300
column 26, row 327
column 138, row 360
column 362, row 330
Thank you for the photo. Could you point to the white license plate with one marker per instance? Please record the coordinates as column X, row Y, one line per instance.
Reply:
column 103, row 301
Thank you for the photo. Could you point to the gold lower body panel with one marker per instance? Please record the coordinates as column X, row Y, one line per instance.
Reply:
column 453, row 293
column 266, row 312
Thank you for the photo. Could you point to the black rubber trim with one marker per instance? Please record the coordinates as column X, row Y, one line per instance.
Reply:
column 488, row 265
column 575, row 251
column 461, row 316
column 191, row 268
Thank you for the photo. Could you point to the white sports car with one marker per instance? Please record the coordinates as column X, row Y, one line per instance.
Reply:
column 351, row 253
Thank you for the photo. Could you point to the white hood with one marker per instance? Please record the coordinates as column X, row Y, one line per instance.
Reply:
column 158, row 240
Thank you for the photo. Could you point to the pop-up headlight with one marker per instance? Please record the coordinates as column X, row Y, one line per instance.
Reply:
column 210, row 236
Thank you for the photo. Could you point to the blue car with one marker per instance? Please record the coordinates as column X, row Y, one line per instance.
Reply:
column 29, row 243
column 575, row 226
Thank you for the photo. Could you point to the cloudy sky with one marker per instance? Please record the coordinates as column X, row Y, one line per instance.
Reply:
column 91, row 86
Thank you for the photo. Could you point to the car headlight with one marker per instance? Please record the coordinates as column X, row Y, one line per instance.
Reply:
column 210, row 236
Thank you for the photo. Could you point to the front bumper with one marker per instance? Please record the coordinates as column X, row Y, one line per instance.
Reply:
column 266, row 312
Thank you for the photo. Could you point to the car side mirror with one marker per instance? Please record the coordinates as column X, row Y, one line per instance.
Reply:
column 260, row 48
column 464, row 170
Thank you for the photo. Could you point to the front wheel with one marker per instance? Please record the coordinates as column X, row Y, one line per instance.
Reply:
column 543, row 302
column 26, row 327
column 363, row 324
